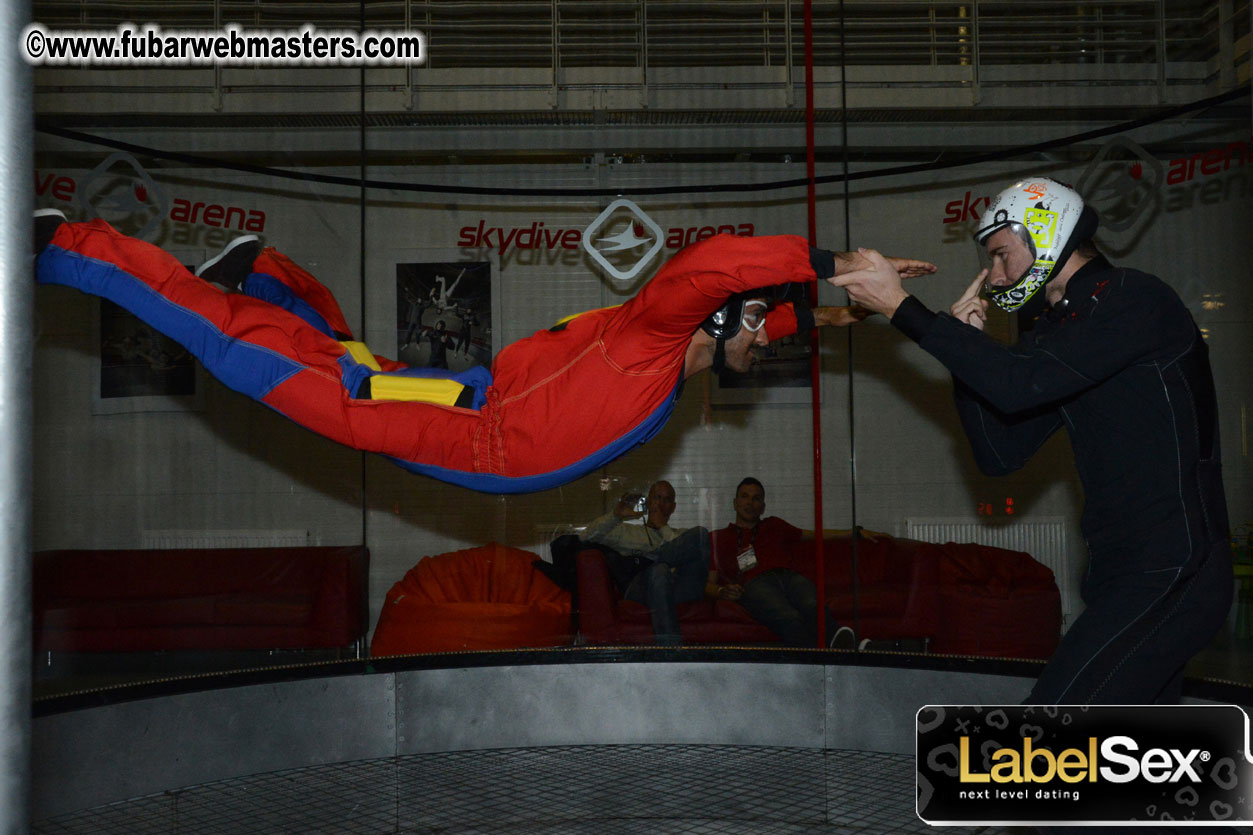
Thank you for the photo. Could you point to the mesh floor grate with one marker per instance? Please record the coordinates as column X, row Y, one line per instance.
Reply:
column 591, row 789
column 697, row 789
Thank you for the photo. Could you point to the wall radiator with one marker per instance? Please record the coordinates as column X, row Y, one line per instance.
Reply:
column 223, row 539
column 1044, row 538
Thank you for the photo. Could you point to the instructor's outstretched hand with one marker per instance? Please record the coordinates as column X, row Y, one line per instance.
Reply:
column 847, row 262
column 878, row 284
column 911, row 267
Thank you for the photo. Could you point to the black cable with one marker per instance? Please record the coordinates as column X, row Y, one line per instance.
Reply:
column 361, row 220
column 497, row 191
column 848, row 336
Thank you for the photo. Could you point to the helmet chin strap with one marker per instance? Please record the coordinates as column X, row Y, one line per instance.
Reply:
column 1035, row 305
column 720, row 356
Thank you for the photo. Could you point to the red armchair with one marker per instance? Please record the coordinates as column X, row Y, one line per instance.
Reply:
column 897, row 593
column 995, row 602
column 489, row 597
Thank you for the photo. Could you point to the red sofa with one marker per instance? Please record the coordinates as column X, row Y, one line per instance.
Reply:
column 606, row 618
column 897, row 589
column 995, row 602
column 958, row 599
column 199, row 599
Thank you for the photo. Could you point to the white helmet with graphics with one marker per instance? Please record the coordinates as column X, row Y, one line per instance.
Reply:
column 1051, row 219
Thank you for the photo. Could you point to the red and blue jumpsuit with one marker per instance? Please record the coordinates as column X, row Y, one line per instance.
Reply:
column 555, row 406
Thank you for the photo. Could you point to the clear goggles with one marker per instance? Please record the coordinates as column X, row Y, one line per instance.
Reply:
column 754, row 315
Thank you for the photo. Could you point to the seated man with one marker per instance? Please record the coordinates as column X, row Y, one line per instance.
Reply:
column 670, row 563
column 752, row 564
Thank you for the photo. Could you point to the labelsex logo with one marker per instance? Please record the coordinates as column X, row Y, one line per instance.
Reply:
column 1073, row 765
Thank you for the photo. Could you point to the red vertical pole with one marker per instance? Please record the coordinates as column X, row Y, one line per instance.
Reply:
column 815, row 358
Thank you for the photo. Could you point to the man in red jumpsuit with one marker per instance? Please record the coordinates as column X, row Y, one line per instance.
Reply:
column 555, row 406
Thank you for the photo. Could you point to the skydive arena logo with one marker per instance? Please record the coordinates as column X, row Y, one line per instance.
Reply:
column 121, row 192
column 623, row 240
column 1123, row 183
column 1024, row 765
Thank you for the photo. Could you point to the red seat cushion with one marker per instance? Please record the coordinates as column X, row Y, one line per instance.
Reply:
column 489, row 597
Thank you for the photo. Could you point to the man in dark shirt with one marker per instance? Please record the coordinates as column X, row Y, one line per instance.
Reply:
column 441, row 340
column 1117, row 360
column 753, row 563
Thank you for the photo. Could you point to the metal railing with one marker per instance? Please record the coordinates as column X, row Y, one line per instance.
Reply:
column 1185, row 42
column 529, row 33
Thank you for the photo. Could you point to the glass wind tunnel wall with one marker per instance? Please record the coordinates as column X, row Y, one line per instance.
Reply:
column 452, row 280
column 151, row 471
column 138, row 449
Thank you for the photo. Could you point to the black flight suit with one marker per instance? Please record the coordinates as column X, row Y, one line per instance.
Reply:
column 1120, row 363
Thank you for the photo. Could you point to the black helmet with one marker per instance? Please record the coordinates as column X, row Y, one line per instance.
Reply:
column 725, row 322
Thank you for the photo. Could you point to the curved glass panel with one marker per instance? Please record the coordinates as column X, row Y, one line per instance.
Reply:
column 546, row 162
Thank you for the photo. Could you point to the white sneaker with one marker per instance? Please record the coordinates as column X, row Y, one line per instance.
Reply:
column 844, row 638
column 47, row 222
